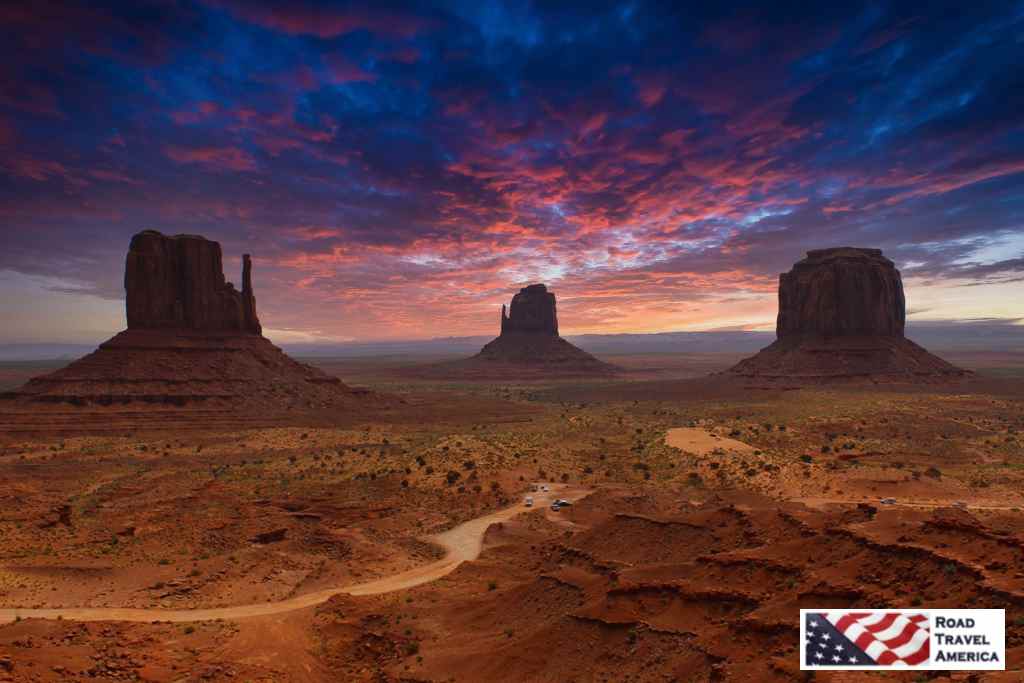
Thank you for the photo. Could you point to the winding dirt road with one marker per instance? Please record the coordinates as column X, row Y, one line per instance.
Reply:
column 462, row 543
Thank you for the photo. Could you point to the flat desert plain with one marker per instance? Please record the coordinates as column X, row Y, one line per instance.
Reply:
column 398, row 545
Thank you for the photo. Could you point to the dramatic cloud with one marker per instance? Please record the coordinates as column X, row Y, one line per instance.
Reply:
column 399, row 171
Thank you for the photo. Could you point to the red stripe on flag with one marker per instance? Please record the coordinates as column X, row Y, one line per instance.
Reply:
column 863, row 640
column 919, row 656
column 903, row 638
column 846, row 622
column 885, row 623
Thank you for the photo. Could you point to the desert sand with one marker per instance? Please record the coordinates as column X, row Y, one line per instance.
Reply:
column 460, row 544
column 230, row 526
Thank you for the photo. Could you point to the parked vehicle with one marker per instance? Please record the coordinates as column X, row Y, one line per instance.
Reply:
column 528, row 502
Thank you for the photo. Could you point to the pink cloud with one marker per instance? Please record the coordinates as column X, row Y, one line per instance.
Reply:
column 305, row 17
column 216, row 158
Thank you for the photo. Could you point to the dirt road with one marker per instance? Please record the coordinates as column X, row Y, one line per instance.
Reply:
column 462, row 543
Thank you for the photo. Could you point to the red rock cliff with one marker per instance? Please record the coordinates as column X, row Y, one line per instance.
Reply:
column 839, row 292
column 532, row 311
column 177, row 282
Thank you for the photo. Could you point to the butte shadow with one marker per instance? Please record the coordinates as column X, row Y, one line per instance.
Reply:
column 193, row 355
column 528, row 347
column 841, row 318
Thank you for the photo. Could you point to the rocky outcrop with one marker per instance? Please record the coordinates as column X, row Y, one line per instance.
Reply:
column 177, row 283
column 532, row 311
column 841, row 317
column 193, row 356
column 841, row 292
column 527, row 348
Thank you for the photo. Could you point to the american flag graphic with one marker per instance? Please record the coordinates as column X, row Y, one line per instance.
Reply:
column 865, row 639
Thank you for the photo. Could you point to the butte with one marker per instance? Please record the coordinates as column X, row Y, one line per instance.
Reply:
column 193, row 356
column 529, row 346
column 841, row 318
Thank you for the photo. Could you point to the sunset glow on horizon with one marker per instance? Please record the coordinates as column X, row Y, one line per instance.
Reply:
column 400, row 170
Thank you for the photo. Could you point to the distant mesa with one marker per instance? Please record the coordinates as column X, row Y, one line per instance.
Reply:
column 193, row 341
column 529, row 346
column 841, row 317
column 533, row 311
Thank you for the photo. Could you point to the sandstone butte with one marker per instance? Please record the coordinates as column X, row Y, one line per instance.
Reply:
column 527, row 348
column 841, row 317
column 529, row 340
column 192, row 341
column 177, row 283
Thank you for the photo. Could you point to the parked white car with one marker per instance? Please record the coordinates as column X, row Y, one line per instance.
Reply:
column 528, row 502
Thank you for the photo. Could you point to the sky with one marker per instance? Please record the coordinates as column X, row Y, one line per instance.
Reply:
column 399, row 170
